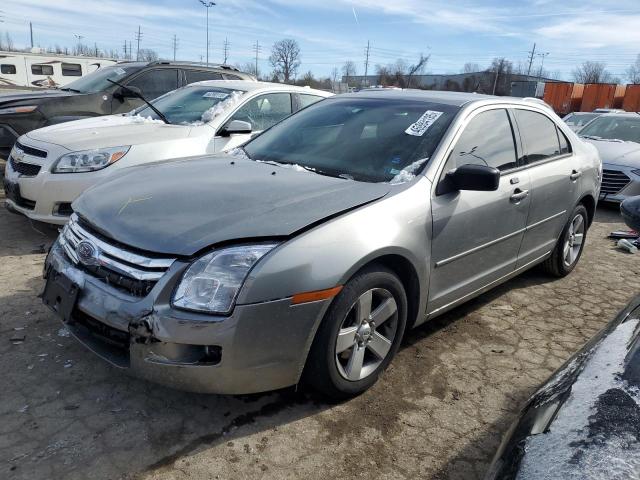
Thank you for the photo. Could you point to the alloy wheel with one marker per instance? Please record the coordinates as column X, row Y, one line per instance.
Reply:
column 573, row 241
column 366, row 334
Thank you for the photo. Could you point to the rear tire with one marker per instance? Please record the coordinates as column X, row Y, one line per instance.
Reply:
column 359, row 335
column 568, row 250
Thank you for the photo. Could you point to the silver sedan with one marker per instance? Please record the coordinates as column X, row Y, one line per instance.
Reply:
column 307, row 255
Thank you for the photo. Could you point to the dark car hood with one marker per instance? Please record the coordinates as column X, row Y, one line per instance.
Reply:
column 180, row 207
column 589, row 412
column 33, row 95
column 618, row 153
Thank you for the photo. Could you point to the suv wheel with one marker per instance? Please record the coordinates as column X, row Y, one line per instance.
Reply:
column 569, row 248
column 360, row 334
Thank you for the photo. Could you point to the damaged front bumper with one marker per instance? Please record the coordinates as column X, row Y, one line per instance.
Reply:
column 259, row 347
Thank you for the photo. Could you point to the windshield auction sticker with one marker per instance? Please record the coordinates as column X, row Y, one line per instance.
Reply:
column 421, row 125
column 218, row 95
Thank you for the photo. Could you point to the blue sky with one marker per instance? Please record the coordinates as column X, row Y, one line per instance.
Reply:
column 332, row 31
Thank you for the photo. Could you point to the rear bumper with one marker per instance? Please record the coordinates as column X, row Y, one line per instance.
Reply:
column 259, row 347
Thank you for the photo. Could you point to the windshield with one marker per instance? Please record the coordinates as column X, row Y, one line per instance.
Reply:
column 615, row 127
column 373, row 140
column 97, row 81
column 580, row 119
column 193, row 105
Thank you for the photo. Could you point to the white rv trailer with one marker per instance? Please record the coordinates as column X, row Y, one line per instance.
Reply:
column 45, row 69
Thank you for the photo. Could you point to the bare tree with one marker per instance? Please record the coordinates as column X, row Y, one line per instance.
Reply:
column 633, row 72
column 148, row 55
column 417, row 68
column 334, row 78
column 285, row 58
column 592, row 72
column 248, row 67
column 471, row 68
column 8, row 42
column 349, row 70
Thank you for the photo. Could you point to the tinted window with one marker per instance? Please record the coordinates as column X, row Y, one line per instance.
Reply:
column 565, row 147
column 8, row 69
column 486, row 140
column 71, row 70
column 42, row 69
column 199, row 76
column 231, row 76
column 154, row 83
column 98, row 81
column 538, row 134
column 306, row 100
column 370, row 140
column 265, row 110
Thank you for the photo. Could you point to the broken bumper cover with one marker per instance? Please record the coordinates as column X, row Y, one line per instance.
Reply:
column 259, row 347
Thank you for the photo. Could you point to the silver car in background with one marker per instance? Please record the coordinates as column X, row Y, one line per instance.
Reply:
column 577, row 120
column 617, row 138
column 308, row 254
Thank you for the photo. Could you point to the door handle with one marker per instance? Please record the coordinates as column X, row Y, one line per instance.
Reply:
column 575, row 175
column 519, row 195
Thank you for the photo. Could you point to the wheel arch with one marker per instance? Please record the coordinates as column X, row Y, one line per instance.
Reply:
column 590, row 204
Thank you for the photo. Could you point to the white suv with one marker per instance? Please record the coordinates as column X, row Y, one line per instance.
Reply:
column 49, row 167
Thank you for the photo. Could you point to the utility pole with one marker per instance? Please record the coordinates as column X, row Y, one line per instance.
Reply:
column 495, row 81
column 130, row 50
column 257, row 48
column 542, row 55
column 138, row 38
column 31, row 33
column 531, row 55
column 79, row 47
column 207, row 5
column 366, row 64
column 175, row 46
column 225, row 49
column 125, row 49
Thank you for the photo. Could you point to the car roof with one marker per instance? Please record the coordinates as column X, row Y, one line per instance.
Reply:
column 250, row 86
column 621, row 114
column 457, row 99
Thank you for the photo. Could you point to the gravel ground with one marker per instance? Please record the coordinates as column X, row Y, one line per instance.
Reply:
column 438, row 412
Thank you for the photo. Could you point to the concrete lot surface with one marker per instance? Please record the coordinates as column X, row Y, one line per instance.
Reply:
column 438, row 412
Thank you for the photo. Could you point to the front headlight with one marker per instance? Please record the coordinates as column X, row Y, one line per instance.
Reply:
column 20, row 109
column 89, row 160
column 211, row 284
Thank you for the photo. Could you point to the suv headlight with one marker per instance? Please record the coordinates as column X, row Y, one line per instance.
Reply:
column 89, row 160
column 212, row 283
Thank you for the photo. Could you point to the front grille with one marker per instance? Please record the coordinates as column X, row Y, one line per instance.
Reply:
column 24, row 168
column 613, row 181
column 34, row 152
column 124, row 269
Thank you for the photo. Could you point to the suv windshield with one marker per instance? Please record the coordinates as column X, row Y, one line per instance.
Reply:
column 614, row 127
column 372, row 140
column 192, row 105
column 97, row 81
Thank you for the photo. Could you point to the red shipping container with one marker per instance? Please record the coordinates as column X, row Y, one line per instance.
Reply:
column 601, row 95
column 631, row 102
column 564, row 97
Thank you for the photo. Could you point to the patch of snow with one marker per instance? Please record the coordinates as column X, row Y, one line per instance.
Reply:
column 238, row 153
column 408, row 173
column 551, row 455
column 219, row 108
column 138, row 119
column 293, row 166
column 64, row 332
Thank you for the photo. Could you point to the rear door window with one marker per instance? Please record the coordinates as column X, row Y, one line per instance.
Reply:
column 156, row 82
column 39, row 69
column 71, row 70
column 8, row 69
column 201, row 75
column 539, row 135
column 306, row 99
column 486, row 140
column 265, row 110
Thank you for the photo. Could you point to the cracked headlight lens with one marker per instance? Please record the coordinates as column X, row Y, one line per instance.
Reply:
column 89, row 160
column 211, row 283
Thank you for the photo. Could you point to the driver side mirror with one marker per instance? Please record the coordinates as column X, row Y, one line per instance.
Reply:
column 129, row 92
column 235, row 127
column 471, row 177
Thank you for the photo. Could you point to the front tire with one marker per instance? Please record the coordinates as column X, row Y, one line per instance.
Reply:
column 570, row 245
column 359, row 335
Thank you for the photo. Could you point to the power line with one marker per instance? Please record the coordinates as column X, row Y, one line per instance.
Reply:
column 532, row 53
column 366, row 60
column 257, row 48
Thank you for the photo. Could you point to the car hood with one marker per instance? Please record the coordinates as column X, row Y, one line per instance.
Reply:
column 618, row 153
column 183, row 206
column 33, row 95
column 108, row 131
